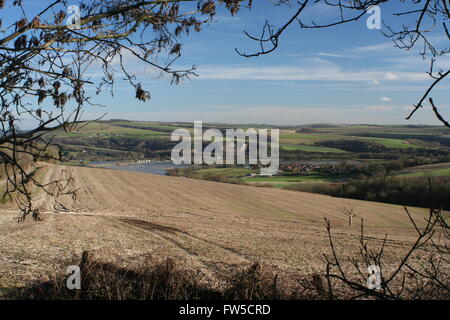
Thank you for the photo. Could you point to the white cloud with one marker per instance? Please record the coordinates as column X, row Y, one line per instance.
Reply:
column 382, row 108
column 385, row 99
column 314, row 69
column 336, row 55
column 415, row 61
column 376, row 82
column 377, row 47
column 391, row 76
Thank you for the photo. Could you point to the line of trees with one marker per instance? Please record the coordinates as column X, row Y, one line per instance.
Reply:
column 402, row 191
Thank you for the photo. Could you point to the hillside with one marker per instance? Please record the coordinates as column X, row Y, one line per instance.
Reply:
column 128, row 140
column 125, row 216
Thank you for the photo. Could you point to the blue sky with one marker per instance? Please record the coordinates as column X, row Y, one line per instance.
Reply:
column 344, row 74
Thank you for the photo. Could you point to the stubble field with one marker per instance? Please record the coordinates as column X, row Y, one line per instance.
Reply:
column 125, row 217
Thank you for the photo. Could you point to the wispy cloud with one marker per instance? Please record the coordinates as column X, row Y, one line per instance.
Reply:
column 382, row 108
column 414, row 61
column 336, row 55
column 323, row 71
column 376, row 47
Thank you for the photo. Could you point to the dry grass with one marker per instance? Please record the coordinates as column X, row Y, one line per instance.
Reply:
column 168, row 280
column 165, row 280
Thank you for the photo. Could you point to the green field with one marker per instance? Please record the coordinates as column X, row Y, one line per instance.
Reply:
column 305, row 141
column 281, row 181
column 227, row 172
column 287, row 137
column 434, row 170
column 391, row 143
column 274, row 181
column 108, row 129
column 157, row 127
column 290, row 147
